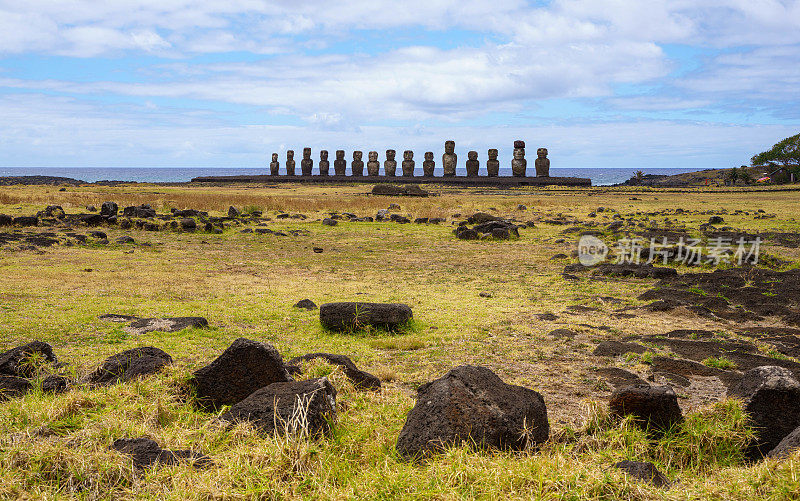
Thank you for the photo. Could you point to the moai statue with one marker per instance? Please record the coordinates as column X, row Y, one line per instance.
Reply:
column 290, row 162
column 340, row 164
column 493, row 165
column 472, row 164
column 542, row 163
column 358, row 165
column 324, row 165
column 449, row 159
column 274, row 166
column 373, row 166
column 306, row 164
column 408, row 163
column 390, row 165
column 519, row 165
column 428, row 165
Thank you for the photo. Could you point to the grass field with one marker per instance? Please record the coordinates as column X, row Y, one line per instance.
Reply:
column 245, row 285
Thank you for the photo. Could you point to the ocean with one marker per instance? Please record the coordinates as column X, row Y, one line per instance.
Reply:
column 599, row 177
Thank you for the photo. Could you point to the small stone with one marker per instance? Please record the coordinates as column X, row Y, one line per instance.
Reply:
column 349, row 316
column 644, row 471
column 329, row 222
column 306, row 304
column 654, row 407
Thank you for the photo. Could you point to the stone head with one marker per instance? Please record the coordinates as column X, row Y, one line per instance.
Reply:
column 289, row 154
column 357, row 155
column 339, row 154
column 408, row 155
column 519, row 153
column 323, row 154
column 472, row 155
column 274, row 157
column 429, row 155
column 390, row 154
column 449, row 147
column 306, row 153
column 519, row 144
column 373, row 156
column 541, row 153
column 492, row 154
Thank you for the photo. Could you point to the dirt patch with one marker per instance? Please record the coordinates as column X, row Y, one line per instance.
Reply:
column 737, row 294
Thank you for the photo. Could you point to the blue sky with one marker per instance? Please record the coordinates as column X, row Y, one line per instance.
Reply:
column 601, row 83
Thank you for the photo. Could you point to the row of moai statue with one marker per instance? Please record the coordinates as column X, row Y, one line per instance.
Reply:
column 519, row 165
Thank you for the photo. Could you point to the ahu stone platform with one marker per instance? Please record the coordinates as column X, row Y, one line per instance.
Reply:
column 455, row 180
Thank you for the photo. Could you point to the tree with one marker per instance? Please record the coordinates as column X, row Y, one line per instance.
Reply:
column 784, row 154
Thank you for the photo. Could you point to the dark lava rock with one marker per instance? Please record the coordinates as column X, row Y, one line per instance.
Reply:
column 13, row 386
column 174, row 324
column 467, row 234
column 317, row 250
column 55, row 383
column 329, row 222
column 616, row 348
column 654, row 407
column 348, row 316
column 771, row 398
column 244, row 367
column 109, row 209
column 100, row 235
column 620, row 378
column 91, row 219
column 359, row 378
column 501, row 234
column 559, row 256
column 644, row 471
column 788, row 445
column 548, row 317
column 233, row 212
column 472, row 403
column 275, row 407
column 188, row 224
column 6, row 220
column 306, row 304
column 146, row 452
column 141, row 211
column 18, row 361
column 125, row 240
column 399, row 191
column 624, row 270
column 26, row 221
column 129, row 365
column 482, row 217
column 715, row 220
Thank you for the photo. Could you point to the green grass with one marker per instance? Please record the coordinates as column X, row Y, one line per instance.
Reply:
column 245, row 285
column 720, row 363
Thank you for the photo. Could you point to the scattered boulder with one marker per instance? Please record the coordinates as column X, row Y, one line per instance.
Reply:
column 654, row 407
column 644, row 471
column 329, row 222
column 482, row 217
column 471, row 403
column 244, row 367
column 359, row 378
column 410, row 190
column 146, row 452
column 141, row 211
column 306, row 304
column 129, row 365
column 349, row 316
column 174, row 324
column 109, row 209
column 771, row 397
column 562, row 333
column 787, row 446
column 26, row 221
column 233, row 212
column 20, row 361
column 125, row 240
column 188, row 224
column 716, row 220
column 13, row 386
column 305, row 407
column 467, row 234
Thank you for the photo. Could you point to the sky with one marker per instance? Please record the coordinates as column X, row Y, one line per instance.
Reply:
column 600, row 83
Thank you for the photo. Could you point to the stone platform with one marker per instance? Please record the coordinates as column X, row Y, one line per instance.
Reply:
column 456, row 180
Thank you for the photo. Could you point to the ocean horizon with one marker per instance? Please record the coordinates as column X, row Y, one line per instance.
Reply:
column 599, row 176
